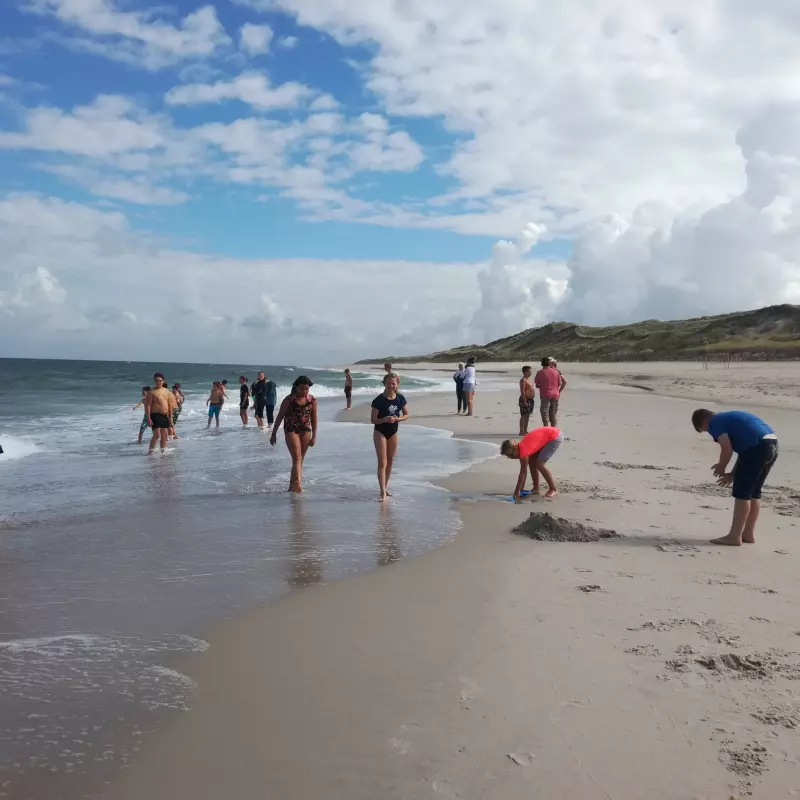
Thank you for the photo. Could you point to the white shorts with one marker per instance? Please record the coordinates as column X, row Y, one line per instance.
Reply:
column 469, row 387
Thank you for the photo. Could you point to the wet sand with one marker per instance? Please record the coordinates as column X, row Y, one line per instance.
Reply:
column 651, row 665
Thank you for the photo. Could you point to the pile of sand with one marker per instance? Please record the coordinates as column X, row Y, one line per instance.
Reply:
column 547, row 528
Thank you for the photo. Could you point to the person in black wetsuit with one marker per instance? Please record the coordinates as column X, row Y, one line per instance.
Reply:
column 388, row 410
column 244, row 398
column 259, row 392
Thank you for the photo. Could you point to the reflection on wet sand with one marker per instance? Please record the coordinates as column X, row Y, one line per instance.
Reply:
column 387, row 541
column 305, row 562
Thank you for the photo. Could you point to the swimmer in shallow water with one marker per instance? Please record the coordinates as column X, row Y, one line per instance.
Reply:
column 298, row 412
column 389, row 409
column 533, row 452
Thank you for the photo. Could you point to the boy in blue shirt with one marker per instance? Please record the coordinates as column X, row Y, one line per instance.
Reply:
column 756, row 446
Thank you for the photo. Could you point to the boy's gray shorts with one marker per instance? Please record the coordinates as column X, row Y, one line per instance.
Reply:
column 549, row 450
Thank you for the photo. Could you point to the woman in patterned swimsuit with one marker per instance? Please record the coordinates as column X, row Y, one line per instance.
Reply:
column 298, row 412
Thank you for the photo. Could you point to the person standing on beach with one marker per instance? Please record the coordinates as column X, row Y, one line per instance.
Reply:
column 756, row 446
column 298, row 412
column 272, row 400
column 533, row 452
column 348, row 389
column 244, row 398
column 214, row 402
column 458, row 377
column 145, row 421
column 389, row 409
column 549, row 382
column 526, row 399
column 469, row 385
column 158, row 407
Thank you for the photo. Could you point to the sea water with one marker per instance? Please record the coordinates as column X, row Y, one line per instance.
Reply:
column 111, row 561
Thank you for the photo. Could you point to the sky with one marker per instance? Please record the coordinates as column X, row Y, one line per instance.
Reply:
column 315, row 181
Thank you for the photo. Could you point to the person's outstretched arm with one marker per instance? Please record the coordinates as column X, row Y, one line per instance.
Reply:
column 563, row 383
column 725, row 455
column 313, row 423
column 279, row 419
column 523, row 474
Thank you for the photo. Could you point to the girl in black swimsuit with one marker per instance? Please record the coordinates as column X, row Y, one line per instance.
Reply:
column 298, row 412
column 389, row 409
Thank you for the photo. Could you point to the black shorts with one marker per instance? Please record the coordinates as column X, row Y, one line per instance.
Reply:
column 160, row 421
column 244, row 406
column 348, row 391
column 752, row 468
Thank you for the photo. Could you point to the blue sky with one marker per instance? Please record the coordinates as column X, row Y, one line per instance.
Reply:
column 308, row 163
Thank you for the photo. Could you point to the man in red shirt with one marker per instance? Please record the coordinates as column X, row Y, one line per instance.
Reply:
column 550, row 383
column 533, row 452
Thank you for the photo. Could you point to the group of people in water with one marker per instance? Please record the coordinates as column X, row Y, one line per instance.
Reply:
column 297, row 413
column 739, row 432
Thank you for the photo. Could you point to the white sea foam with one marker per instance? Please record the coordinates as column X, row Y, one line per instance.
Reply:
column 15, row 448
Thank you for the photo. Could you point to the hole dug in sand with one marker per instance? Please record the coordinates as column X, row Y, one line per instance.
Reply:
column 546, row 528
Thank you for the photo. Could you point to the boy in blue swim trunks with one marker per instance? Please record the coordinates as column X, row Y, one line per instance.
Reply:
column 214, row 402
column 756, row 446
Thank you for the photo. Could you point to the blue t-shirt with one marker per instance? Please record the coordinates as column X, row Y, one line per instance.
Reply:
column 745, row 430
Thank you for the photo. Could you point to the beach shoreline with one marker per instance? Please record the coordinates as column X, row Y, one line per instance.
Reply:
column 496, row 666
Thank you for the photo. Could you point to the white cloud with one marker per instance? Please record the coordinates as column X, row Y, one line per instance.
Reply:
column 96, row 258
column 324, row 103
column 255, row 39
column 7, row 80
column 742, row 253
column 32, row 290
column 572, row 111
column 252, row 88
column 106, row 127
column 288, row 42
column 130, row 189
column 135, row 35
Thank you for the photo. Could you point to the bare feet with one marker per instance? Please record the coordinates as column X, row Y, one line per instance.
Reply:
column 388, row 493
column 551, row 493
column 729, row 541
column 751, row 539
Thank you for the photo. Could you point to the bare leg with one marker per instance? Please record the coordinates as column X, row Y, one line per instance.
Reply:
column 552, row 491
column 379, row 440
column 741, row 511
column 243, row 415
column 164, row 436
column 535, row 476
column 294, row 445
column 153, row 441
column 210, row 417
column 259, row 420
column 470, row 402
column 749, row 532
column 391, row 450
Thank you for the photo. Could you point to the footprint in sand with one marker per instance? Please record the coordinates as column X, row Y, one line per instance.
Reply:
column 445, row 789
column 522, row 759
column 468, row 691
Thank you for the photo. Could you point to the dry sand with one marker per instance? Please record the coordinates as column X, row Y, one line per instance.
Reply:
column 647, row 666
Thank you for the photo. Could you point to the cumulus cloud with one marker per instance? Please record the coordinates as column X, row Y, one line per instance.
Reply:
column 255, row 39
column 742, row 253
column 135, row 36
column 252, row 88
column 36, row 289
column 516, row 293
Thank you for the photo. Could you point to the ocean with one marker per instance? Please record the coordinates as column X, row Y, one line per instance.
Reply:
column 112, row 561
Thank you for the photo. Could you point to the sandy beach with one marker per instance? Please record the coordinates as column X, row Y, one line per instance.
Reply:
column 648, row 666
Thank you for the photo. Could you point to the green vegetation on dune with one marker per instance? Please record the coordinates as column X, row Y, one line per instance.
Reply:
column 766, row 332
